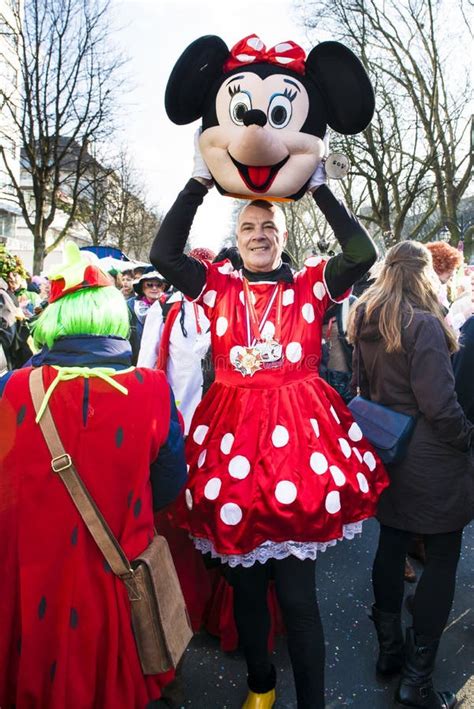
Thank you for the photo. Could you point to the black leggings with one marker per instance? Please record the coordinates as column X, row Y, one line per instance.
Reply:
column 435, row 590
column 296, row 590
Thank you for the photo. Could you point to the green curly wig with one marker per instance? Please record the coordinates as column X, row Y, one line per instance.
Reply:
column 90, row 311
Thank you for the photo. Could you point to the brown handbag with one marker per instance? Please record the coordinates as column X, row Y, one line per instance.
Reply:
column 159, row 616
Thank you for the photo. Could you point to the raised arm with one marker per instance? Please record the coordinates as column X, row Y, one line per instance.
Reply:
column 187, row 274
column 358, row 250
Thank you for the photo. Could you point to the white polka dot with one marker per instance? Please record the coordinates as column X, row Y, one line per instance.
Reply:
column 357, row 453
column 209, row 298
column 315, row 426
column 189, row 499
column 337, row 475
column 202, row 458
column 318, row 463
column 285, row 492
column 307, row 312
column 294, row 352
column 354, row 433
column 335, row 416
column 239, row 467
column 221, row 326
column 369, row 460
column 256, row 43
column 226, row 268
column 226, row 443
column 200, row 434
column 288, row 296
column 319, row 290
column 333, row 502
column 283, row 47
column 345, row 447
column 313, row 261
column 280, row 436
column 242, row 297
column 268, row 330
column 231, row 513
column 212, row 488
column 363, row 484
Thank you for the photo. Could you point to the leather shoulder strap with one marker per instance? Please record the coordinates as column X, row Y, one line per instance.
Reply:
column 63, row 466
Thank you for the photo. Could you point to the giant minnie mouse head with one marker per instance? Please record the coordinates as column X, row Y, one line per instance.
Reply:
column 265, row 112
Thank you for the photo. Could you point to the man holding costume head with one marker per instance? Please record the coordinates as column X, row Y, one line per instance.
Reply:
column 278, row 467
column 66, row 638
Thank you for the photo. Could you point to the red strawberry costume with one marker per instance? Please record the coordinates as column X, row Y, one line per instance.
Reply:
column 66, row 638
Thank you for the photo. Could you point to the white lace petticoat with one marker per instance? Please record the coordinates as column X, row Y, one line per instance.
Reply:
column 276, row 550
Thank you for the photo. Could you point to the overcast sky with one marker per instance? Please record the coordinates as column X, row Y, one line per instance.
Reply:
column 154, row 33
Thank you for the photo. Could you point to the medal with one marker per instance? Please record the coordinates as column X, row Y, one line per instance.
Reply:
column 261, row 352
column 247, row 360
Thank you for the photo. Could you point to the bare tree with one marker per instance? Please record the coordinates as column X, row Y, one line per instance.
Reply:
column 308, row 231
column 131, row 223
column 415, row 158
column 144, row 225
column 69, row 82
column 97, row 203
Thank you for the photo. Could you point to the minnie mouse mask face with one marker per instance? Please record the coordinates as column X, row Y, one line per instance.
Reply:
column 265, row 112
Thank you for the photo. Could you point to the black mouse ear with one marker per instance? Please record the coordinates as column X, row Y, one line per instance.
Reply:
column 345, row 86
column 193, row 75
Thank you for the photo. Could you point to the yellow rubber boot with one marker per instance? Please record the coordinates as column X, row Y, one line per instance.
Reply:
column 259, row 701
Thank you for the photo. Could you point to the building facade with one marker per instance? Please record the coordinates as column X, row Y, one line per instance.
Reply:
column 10, row 86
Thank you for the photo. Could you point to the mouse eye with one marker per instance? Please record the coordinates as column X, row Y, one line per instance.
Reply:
column 279, row 111
column 240, row 103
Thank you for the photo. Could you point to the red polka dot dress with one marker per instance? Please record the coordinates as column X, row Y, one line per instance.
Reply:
column 277, row 464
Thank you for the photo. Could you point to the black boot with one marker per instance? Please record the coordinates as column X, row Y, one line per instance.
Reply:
column 416, row 686
column 390, row 637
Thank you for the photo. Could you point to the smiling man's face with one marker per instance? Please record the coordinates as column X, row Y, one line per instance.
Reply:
column 261, row 237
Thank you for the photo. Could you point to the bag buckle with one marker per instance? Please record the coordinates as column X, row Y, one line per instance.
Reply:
column 131, row 586
column 61, row 462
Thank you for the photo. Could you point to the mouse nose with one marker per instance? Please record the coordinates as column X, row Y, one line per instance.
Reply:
column 255, row 117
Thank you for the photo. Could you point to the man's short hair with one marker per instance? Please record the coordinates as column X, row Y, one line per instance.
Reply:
column 277, row 211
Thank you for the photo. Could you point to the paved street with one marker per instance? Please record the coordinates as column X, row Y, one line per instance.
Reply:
column 215, row 680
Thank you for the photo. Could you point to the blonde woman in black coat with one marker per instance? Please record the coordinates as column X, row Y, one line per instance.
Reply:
column 404, row 349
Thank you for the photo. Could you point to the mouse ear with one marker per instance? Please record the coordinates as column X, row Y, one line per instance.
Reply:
column 193, row 75
column 345, row 86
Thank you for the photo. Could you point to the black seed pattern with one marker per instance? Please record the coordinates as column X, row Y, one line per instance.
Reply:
column 106, row 566
column 42, row 608
column 137, row 507
column 73, row 618
column 139, row 376
column 52, row 671
column 20, row 417
column 74, row 535
column 119, row 437
column 129, row 498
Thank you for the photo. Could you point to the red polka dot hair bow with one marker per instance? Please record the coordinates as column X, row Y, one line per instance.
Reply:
column 251, row 50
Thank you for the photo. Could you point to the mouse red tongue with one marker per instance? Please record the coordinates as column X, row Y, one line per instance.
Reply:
column 258, row 175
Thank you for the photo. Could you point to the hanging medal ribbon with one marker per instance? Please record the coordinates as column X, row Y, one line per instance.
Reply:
column 196, row 317
column 262, row 352
column 253, row 325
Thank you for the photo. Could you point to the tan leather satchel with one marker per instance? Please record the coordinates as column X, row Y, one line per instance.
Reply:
column 159, row 616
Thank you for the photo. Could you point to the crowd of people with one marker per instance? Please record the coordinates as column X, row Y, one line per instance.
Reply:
column 235, row 442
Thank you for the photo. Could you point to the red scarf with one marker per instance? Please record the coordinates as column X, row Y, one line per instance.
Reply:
column 163, row 350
